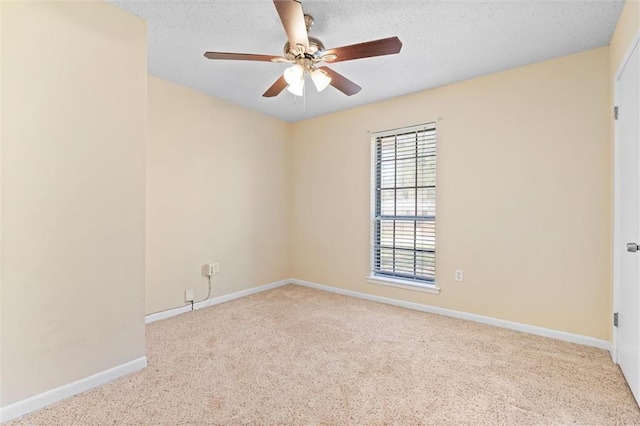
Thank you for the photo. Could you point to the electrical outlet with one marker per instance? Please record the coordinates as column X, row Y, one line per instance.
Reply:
column 213, row 268
column 188, row 296
column 459, row 275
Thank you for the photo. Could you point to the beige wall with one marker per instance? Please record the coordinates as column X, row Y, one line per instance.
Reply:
column 75, row 122
column 216, row 192
column 628, row 26
column 524, row 168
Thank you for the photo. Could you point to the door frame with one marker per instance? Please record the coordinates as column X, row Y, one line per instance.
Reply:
column 617, row 248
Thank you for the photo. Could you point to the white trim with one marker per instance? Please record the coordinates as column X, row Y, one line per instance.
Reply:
column 407, row 285
column 408, row 129
column 616, row 199
column 372, row 203
column 616, row 227
column 39, row 401
column 531, row 329
column 213, row 301
column 627, row 55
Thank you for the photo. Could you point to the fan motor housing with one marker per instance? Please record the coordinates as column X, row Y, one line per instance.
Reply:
column 316, row 48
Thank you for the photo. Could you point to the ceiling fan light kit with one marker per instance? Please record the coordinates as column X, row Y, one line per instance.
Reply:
column 320, row 79
column 309, row 51
column 294, row 74
column 296, row 84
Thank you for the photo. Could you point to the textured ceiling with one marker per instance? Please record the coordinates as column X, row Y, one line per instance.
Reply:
column 443, row 42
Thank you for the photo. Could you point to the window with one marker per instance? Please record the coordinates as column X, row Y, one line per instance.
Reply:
column 404, row 209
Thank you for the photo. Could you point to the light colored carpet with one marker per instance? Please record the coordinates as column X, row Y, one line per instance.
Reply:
column 294, row 355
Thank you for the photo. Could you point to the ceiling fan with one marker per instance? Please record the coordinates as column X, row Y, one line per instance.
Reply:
column 306, row 52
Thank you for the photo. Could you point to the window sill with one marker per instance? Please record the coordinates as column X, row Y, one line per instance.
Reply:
column 390, row 282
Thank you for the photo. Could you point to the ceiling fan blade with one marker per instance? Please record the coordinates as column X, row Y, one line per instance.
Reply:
column 292, row 18
column 341, row 82
column 239, row 56
column 276, row 88
column 368, row 49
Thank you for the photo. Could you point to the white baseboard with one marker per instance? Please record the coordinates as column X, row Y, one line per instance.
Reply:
column 531, row 329
column 39, row 401
column 34, row 403
column 213, row 301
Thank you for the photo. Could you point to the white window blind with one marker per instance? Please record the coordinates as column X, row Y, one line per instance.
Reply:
column 404, row 217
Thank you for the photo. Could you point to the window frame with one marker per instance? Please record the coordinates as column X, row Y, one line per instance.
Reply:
column 428, row 286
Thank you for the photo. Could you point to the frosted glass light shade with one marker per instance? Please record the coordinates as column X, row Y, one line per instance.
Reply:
column 293, row 75
column 320, row 79
column 297, row 88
